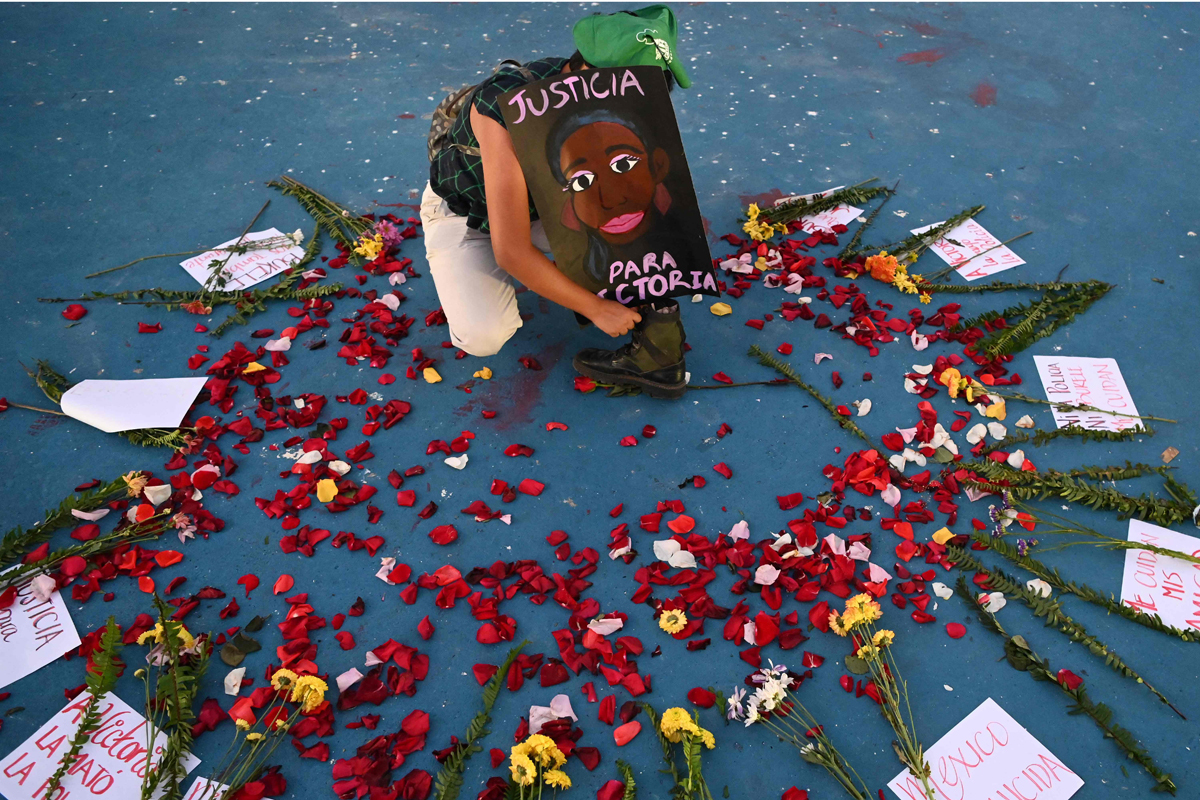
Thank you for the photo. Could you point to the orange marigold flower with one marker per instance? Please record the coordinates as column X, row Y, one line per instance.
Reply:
column 882, row 267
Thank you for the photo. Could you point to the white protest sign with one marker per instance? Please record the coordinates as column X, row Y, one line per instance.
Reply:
column 115, row 406
column 966, row 241
column 989, row 755
column 840, row 214
column 33, row 633
column 1087, row 382
column 204, row 789
column 1154, row 584
column 244, row 270
column 112, row 763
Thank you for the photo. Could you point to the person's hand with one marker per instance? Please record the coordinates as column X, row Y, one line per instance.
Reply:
column 614, row 318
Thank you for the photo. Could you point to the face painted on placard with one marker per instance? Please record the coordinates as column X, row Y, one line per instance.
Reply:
column 612, row 180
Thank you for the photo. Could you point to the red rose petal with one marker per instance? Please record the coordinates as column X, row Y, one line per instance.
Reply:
column 624, row 734
column 250, row 582
column 955, row 630
column 74, row 312
column 283, row 583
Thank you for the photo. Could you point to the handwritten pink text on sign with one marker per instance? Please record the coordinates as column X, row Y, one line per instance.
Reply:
column 989, row 755
column 965, row 242
column 111, row 764
column 1095, row 382
column 1156, row 584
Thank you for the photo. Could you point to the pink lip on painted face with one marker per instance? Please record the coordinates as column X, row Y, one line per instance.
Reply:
column 623, row 223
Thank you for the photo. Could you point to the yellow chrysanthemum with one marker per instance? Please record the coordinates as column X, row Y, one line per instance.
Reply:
column 283, row 679
column 309, row 691
column 752, row 212
column 370, row 247
column 883, row 638
column 708, row 739
column 868, row 652
column 864, row 608
column 673, row 621
column 882, row 267
column 157, row 634
column 545, row 750
column 926, row 297
column 836, row 624
column 675, row 723
column 557, row 778
column 253, row 737
column 523, row 770
column 242, row 724
column 522, row 749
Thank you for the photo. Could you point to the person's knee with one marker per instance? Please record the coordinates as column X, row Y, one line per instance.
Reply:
column 481, row 339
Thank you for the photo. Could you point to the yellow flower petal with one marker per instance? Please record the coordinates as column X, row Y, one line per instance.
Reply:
column 721, row 309
column 253, row 366
column 485, row 374
column 997, row 411
column 431, row 375
column 943, row 536
column 326, row 490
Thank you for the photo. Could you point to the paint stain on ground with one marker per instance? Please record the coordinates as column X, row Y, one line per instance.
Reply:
column 514, row 399
column 925, row 29
column 984, row 95
column 923, row 56
column 45, row 423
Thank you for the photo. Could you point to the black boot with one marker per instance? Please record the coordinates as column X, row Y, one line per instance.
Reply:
column 653, row 360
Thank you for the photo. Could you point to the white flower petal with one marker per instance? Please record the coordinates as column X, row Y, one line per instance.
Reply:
column 877, row 574
column 339, row 466
column 1016, row 459
column 390, row 300
column 90, row 516
column 976, row 434
column 665, row 548
column 157, row 494
column 1025, row 422
column 1038, row 586
column 919, row 340
column 458, row 462
column 682, row 560
column 942, row 590
column 836, row 544
column 560, row 704
column 908, row 434
column 993, row 602
column 233, row 681
column 396, row 278
column 604, row 627
column 898, row 463
column 864, row 407
column 281, row 345
column 740, row 530
column 748, row 631
column 997, row 430
column 891, row 495
column 819, row 357
column 922, row 369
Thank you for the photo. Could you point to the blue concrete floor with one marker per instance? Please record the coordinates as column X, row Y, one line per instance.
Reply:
column 136, row 129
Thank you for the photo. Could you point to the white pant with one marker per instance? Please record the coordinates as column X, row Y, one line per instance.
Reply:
column 476, row 294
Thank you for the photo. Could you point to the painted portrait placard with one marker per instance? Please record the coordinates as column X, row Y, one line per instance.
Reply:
column 602, row 156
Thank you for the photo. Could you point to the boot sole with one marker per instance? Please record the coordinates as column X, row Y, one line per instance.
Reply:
column 664, row 391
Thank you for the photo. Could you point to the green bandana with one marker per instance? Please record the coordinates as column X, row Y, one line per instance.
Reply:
column 646, row 37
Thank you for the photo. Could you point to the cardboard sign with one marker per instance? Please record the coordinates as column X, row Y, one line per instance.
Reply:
column 989, row 755
column 115, row 406
column 1088, row 382
column 33, row 633
column 111, row 764
column 840, row 214
column 244, row 270
column 968, row 240
column 605, row 167
column 1154, row 584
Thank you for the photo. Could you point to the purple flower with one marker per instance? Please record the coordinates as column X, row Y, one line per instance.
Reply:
column 389, row 232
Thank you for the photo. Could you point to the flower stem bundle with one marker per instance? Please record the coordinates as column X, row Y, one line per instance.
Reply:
column 785, row 369
column 256, row 736
column 17, row 542
column 677, row 727
column 1049, row 608
column 1040, row 438
column 175, row 666
column 1021, row 656
column 534, row 764
column 776, row 706
column 450, row 777
column 1052, row 576
column 1026, row 323
column 100, row 681
column 994, row 476
column 873, row 646
column 762, row 224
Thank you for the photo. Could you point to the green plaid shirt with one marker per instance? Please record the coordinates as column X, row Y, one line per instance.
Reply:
column 457, row 177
